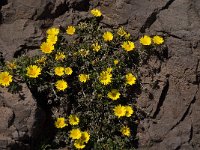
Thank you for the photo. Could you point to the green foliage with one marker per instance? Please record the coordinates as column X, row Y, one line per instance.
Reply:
column 87, row 99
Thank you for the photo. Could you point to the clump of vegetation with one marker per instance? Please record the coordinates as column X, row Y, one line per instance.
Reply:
column 91, row 80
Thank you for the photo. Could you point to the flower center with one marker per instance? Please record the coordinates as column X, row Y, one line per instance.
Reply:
column 33, row 72
column 114, row 94
column 6, row 79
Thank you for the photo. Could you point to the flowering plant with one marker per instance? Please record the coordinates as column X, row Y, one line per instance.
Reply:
column 90, row 77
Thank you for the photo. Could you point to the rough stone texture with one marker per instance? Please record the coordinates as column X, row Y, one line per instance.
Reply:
column 172, row 110
column 20, row 122
column 170, row 97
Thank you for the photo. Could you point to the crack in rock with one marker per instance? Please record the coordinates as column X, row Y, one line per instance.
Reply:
column 3, row 2
column 171, row 35
column 185, row 113
column 191, row 133
column 162, row 98
column 152, row 18
column 53, row 10
column 23, row 50
column 46, row 14
column 197, row 73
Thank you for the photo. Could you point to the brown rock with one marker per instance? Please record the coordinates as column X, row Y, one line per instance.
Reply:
column 19, row 119
column 171, row 82
column 6, row 117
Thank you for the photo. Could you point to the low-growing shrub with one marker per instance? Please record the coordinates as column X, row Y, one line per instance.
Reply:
column 89, row 75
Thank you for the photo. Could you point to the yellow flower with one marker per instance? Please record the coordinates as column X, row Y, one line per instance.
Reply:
column 107, row 36
column 52, row 39
column 114, row 94
column 105, row 77
column 128, row 46
column 83, row 77
column 121, row 31
column 73, row 120
column 96, row 47
column 116, row 61
column 53, row 31
column 61, row 85
column 60, row 123
column 145, row 40
column 59, row 71
column 85, row 136
column 33, row 71
column 60, row 56
column 119, row 111
column 158, row 40
column 125, row 131
column 79, row 144
column 96, row 12
column 68, row 71
column 47, row 47
column 130, row 79
column 11, row 65
column 5, row 78
column 129, row 111
column 70, row 30
column 75, row 134
column 41, row 60
column 109, row 70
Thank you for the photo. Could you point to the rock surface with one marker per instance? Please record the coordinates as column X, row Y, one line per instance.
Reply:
column 171, row 94
column 21, row 119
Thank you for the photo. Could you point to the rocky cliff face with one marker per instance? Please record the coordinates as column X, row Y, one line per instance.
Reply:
column 171, row 94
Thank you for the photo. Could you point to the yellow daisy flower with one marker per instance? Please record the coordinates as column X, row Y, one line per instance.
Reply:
column 121, row 31
column 130, row 79
column 61, row 85
column 5, row 78
column 96, row 47
column 125, row 131
column 108, row 36
column 119, row 111
column 114, row 94
column 83, row 77
column 59, row 71
column 158, row 40
column 145, row 40
column 96, row 12
column 68, row 71
column 71, row 30
column 79, row 144
column 52, row 39
column 109, row 70
column 33, row 71
column 73, row 120
column 60, row 56
column 53, row 31
column 128, row 46
column 116, row 61
column 47, row 47
column 60, row 123
column 105, row 77
column 75, row 134
column 129, row 111
column 85, row 136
